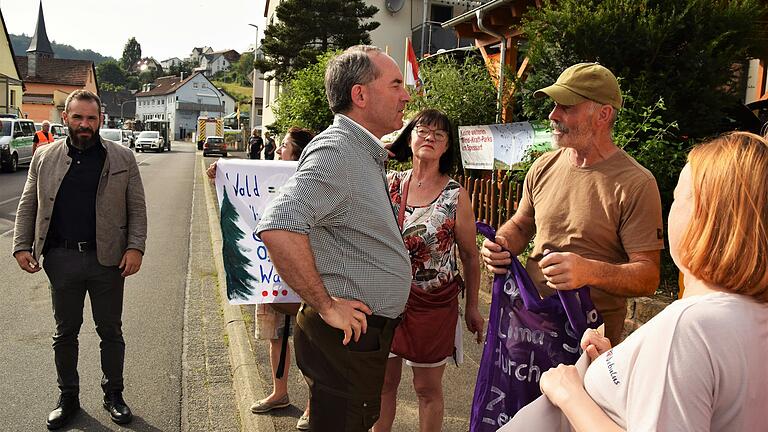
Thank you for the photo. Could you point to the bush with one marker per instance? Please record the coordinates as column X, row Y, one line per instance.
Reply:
column 463, row 91
column 303, row 101
column 681, row 50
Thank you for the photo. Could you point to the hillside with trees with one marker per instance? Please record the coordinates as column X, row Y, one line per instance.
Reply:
column 20, row 44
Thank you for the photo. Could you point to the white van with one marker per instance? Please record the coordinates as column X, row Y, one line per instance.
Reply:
column 16, row 139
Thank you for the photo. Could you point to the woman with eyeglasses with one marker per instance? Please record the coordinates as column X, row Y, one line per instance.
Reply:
column 436, row 219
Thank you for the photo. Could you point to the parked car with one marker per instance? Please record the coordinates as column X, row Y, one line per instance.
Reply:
column 114, row 135
column 150, row 140
column 214, row 144
column 38, row 127
column 16, row 138
column 59, row 131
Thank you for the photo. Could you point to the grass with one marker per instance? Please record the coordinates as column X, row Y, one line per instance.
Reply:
column 241, row 93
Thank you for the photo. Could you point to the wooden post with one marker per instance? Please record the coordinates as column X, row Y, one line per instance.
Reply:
column 494, row 201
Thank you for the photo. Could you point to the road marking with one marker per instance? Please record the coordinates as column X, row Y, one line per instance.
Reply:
column 2, row 203
column 144, row 161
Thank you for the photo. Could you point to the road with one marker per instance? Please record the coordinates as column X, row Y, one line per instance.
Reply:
column 11, row 185
column 152, row 319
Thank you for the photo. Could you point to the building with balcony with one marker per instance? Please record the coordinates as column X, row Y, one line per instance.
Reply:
column 181, row 101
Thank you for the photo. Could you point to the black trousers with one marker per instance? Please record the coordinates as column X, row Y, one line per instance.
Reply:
column 72, row 274
column 344, row 381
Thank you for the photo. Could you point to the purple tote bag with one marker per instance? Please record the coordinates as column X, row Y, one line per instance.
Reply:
column 526, row 336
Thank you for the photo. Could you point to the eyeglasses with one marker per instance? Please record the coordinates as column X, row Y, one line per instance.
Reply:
column 439, row 134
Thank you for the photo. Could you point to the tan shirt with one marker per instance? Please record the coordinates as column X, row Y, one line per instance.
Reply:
column 601, row 212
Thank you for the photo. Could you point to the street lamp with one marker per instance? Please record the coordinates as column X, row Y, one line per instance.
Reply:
column 253, row 78
column 121, row 109
column 215, row 93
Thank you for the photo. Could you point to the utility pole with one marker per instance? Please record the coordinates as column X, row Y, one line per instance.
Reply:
column 253, row 79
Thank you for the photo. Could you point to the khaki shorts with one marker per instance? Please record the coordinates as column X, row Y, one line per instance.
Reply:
column 270, row 323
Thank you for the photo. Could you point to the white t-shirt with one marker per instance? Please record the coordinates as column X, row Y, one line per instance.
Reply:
column 699, row 365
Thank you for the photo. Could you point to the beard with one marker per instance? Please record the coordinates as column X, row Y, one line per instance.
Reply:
column 571, row 137
column 82, row 143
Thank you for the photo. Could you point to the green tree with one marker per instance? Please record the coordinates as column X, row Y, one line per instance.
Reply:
column 306, row 29
column 235, row 260
column 110, row 73
column 243, row 69
column 463, row 91
column 303, row 101
column 149, row 76
column 131, row 54
column 185, row 66
column 681, row 50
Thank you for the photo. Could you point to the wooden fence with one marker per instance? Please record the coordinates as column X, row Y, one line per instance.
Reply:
column 493, row 201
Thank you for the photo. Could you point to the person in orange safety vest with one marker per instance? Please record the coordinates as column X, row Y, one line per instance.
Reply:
column 43, row 136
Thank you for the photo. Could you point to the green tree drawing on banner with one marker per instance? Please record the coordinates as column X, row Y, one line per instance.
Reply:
column 235, row 260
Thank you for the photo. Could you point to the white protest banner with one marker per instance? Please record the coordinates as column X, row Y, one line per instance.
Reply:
column 476, row 145
column 244, row 188
column 501, row 146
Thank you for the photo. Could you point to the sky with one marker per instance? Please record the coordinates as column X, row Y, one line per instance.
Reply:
column 164, row 28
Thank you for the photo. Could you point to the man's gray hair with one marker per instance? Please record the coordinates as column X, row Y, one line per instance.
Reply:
column 353, row 66
column 82, row 94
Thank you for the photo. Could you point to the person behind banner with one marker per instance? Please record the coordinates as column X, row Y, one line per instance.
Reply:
column 332, row 236
column 269, row 146
column 255, row 144
column 269, row 323
column 593, row 212
column 435, row 218
column 698, row 365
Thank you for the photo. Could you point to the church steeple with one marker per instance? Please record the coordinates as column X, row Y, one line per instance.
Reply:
column 40, row 46
column 40, row 43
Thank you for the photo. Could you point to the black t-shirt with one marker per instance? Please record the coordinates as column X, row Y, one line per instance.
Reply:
column 269, row 149
column 255, row 143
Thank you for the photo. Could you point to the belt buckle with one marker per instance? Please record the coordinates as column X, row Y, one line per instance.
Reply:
column 81, row 246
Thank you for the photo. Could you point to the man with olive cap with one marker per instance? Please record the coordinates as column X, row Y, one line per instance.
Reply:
column 595, row 212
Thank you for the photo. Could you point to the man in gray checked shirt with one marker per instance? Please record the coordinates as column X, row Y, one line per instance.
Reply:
column 333, row 237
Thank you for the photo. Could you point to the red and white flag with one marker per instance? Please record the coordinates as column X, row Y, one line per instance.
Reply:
column 411, row 65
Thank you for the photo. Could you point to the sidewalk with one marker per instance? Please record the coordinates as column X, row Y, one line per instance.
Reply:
column 249, row 362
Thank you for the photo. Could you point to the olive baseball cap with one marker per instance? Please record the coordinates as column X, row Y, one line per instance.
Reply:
column 582, row 82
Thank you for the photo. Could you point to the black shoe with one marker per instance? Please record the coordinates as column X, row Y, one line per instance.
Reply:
column 117, row 408
column 67, row 407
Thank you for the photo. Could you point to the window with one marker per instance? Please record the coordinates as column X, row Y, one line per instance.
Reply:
column 199, row 101
column 13, row 97
column 28, row 128
column 267, row 87
column 194, row 85
column 258, row 111
column 204, row 85
column 441, row 13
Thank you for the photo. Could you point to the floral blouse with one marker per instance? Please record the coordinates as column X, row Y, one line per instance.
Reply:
column 428, row 233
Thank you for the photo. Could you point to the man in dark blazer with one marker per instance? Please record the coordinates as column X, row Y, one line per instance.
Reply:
column 83, row 209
